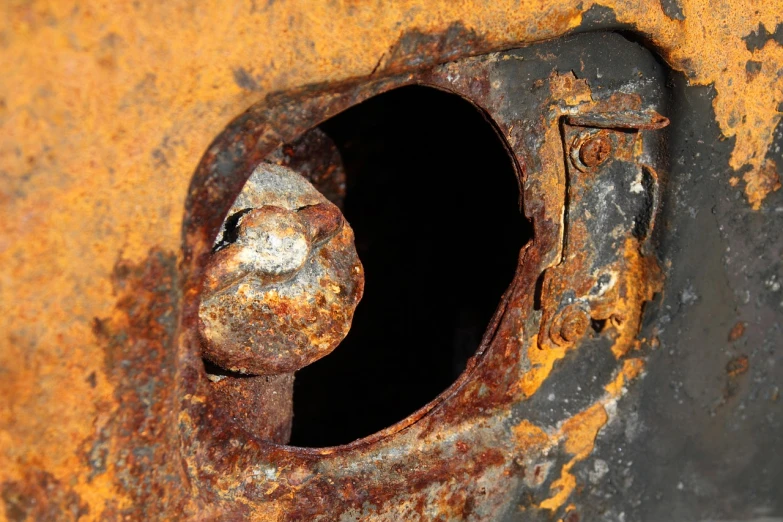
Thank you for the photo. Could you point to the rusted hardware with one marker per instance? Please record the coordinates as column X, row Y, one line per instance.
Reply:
column 631, row 119
column 262, row 404
column 595, row 150
column 612, row 201
column 571, row 324
column 284, row 280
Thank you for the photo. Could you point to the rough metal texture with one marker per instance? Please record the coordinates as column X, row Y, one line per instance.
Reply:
column 611, row 203
column 262, row 404
column 281, row 288
column 107, row 108
column 485, row 448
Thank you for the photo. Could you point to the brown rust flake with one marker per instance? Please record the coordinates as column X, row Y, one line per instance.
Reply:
column 737, row 331
column 737, row 366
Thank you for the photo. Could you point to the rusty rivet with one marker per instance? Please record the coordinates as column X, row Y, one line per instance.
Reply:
column 575, row 322
column 595, row 150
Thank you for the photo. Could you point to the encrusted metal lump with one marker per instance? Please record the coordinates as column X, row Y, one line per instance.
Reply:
column 284, row 279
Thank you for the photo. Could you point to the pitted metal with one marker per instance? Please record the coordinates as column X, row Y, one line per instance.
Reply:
column 284, row 279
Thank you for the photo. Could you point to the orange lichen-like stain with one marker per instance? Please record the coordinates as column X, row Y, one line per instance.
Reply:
column 630, row 370
column 579, row 433
column 106, row 108
column 541, row 363
column 760, row 182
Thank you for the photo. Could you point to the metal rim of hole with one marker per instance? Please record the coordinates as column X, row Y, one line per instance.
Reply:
column 464, row 376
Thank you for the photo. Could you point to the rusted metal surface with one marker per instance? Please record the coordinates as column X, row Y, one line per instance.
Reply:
column 609, row 215
column 408, row 470
column 284, row 280
column 108, row 417
column 279, row 293
column 261, row 404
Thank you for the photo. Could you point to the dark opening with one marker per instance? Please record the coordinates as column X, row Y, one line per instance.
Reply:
column 433, row 199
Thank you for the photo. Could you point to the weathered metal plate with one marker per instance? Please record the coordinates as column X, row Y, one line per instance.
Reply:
column 106, row 119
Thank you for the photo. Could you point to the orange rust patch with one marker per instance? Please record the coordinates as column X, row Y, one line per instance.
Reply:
column 566, row 87
column 579, row 432
column 761, row 182
column 707, row 46
column 630, row 370
column 643, row 279
column 737, row 331
column 737, row 366
column 541, row 362
column 529, row 437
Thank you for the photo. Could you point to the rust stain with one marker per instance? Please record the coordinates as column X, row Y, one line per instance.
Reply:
column 707, row 46
column 579, row 433
column 737, row 366
column 737, row 331
column 571, row 514
column 541, row 363
column 531, row 437
column 643, row 280
column 38, row 496
column 760, row 182
column 630, row 371
column 105, row 109
column 568, row 88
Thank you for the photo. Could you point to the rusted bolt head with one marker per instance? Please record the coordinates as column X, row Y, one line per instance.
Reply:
column 570, row 325
column 595, row 150
column 575, row 324
column 284, row 280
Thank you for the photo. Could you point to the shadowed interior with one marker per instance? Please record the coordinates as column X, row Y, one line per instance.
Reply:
column 434, row 202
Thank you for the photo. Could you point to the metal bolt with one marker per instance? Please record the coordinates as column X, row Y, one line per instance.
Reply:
column 284, row 281
column 570, row 325
column 595, row 150
column 575, row 324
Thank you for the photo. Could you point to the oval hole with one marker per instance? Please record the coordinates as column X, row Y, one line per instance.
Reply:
column 432, row 196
